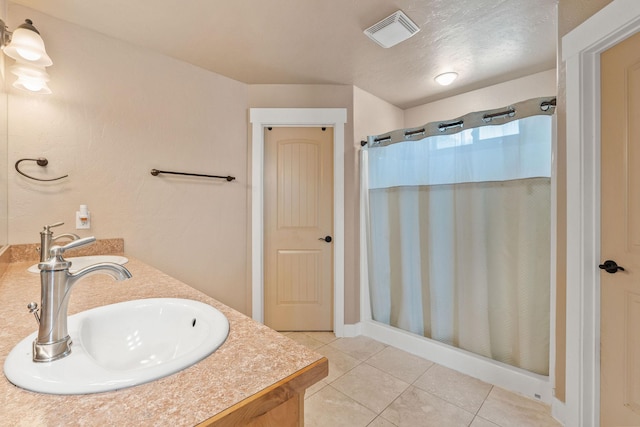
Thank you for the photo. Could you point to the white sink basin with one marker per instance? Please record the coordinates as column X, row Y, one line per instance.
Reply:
column 122, row 345
column 80, row 262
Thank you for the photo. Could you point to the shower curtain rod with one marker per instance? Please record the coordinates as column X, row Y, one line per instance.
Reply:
column 520, row 110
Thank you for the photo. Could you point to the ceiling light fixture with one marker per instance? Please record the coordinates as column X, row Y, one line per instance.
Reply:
column 392, row 30
column 446, row 79
column 27, row 48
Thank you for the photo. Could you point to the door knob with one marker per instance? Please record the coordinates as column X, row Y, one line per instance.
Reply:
column 326, row 239
column 610, row 266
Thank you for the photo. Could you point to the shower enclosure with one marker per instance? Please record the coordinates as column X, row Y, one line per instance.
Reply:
column 458, row 224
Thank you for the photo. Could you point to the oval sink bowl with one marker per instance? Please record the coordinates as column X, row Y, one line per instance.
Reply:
column 122, row 345
column 80, row 262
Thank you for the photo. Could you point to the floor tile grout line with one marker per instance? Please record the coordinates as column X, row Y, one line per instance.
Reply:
column 395, row 376
column 310, row 335
column 424, row 373
column 483, row 402
column 358, row 359
column 348, row 370
column 377, row 352
column 380, row 416
column 355, row 401
column 485, row 399
column 491, row 386
column 399, row 394
column 484, row 419
column 446, row 401
column 432, row 395
column 288, row 335
column 397, row 397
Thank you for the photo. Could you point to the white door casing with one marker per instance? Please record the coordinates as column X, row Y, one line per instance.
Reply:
column 291, row 117
column 581, row 52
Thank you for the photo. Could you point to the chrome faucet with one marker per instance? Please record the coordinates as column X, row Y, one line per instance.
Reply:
column 46, row 238
column 53, row 341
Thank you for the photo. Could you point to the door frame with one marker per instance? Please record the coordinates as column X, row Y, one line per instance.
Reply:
column 260, row 118
column 581, row 50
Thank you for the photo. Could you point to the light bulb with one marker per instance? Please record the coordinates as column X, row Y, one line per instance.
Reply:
column 28, row 54
column 30, row 77
column 32, row 85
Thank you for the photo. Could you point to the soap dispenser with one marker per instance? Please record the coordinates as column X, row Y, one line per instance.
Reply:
column 83, row 218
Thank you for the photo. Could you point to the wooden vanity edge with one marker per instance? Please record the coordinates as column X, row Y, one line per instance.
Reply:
column 247, row 410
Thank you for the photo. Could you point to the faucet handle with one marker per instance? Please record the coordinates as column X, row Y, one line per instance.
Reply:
column 33, row 308
column 59, row 250
column 47, row 227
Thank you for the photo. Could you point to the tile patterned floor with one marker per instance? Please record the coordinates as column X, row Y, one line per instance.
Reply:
column 375, row 385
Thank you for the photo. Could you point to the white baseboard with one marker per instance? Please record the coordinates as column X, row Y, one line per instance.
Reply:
column 350, row 331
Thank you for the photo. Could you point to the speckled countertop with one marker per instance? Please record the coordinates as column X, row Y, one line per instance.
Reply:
column 252, row 358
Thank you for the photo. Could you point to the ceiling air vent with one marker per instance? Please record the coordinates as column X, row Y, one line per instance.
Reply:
column 392, row 30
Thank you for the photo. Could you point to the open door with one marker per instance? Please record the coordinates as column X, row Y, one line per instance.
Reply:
column 620, row 235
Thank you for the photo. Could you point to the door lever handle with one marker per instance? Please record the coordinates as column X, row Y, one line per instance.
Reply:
column 610, row 266
column 326, row 239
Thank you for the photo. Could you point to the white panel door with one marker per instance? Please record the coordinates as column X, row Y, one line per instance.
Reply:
column 298, row 228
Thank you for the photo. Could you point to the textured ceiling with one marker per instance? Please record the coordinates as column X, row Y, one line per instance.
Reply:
column 321, row 41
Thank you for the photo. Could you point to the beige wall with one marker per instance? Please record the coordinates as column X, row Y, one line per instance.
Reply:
column 371, row 116
column 303, row 96
column 571, row 13
column 115, row 113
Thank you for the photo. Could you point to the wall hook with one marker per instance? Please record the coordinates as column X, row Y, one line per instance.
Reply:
column 40, row 161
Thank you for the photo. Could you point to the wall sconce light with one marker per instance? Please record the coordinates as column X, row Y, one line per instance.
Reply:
column 27, row 48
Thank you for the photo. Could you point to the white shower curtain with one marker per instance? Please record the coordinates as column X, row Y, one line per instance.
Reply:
column 459, row 239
